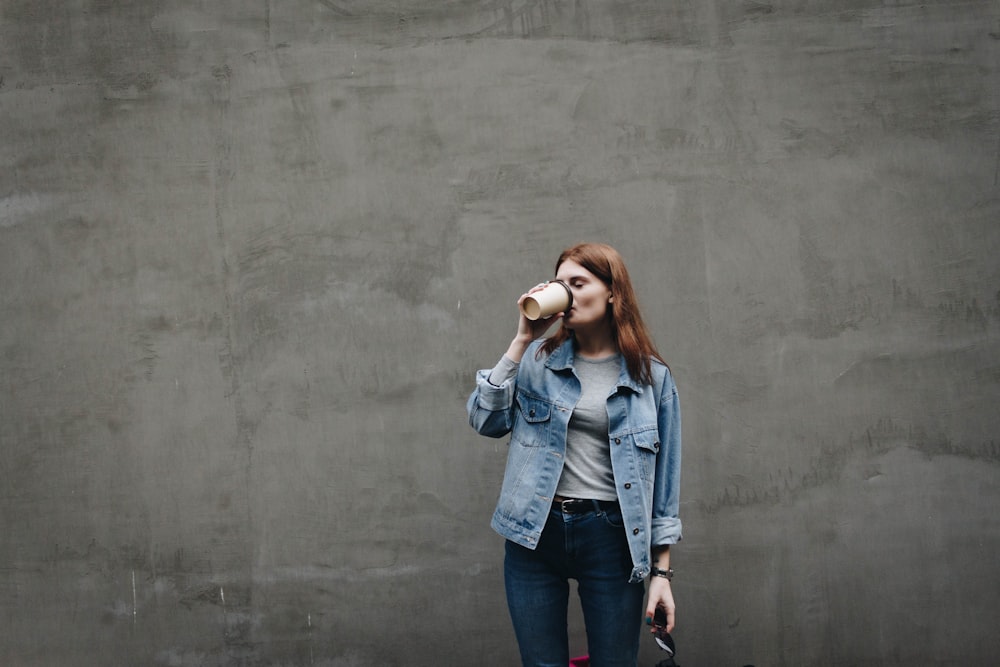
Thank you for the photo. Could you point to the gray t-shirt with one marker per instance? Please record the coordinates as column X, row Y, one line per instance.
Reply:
column 587, row 471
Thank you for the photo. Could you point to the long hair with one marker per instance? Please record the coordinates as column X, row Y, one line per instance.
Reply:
column 630, row 333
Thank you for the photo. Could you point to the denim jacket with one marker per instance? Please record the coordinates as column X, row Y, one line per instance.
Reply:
column 644, row 435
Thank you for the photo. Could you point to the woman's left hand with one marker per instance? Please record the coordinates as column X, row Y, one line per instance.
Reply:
column 660, row 595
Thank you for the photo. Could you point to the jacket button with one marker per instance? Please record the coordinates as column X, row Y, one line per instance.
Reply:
column 618, row 441
column 628, row 485
column 635, row 531
column 531, row 413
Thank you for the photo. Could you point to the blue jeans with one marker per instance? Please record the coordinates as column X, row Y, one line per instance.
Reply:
column 592, row 548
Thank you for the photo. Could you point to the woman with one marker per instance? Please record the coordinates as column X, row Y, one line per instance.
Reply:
column 593, row 468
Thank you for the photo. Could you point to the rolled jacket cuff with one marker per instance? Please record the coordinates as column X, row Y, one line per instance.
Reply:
column 665, row 530
column 492, row 397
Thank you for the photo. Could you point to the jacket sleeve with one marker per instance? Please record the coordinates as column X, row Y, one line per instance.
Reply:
column 666, row 527
column 491, row 407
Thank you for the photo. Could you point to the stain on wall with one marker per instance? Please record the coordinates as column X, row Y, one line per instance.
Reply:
column 252, row 255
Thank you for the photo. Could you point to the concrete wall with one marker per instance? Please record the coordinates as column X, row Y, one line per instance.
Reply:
column 251, row 255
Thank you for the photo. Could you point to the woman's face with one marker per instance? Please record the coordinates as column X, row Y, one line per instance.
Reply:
column 590, row 296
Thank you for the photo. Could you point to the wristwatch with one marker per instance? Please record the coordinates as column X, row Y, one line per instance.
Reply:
column 667, row 574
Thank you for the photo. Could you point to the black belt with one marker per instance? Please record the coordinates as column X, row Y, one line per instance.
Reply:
column 581, row 505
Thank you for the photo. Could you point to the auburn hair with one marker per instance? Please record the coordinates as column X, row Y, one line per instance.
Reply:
column 630, row 333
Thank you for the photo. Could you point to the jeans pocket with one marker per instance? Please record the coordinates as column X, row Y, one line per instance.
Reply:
column 614, row 518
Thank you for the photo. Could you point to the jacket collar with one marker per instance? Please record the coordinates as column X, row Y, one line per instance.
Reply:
column 562, row 359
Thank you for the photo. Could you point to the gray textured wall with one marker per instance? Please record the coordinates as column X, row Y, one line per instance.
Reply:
column 252, row 253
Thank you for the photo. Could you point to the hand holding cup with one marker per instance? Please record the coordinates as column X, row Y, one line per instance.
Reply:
column 546, row 300
column 536, row 319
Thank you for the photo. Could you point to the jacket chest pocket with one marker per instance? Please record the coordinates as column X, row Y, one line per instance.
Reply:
column 533, row 421
column 647, row 446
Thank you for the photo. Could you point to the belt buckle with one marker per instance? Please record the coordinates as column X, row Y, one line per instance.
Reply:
column 566, row 506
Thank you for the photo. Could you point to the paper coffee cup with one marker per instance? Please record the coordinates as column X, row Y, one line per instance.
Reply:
column 555, row 297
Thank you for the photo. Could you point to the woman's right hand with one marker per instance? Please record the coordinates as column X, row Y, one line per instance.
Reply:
column 532, row 329
column 529, row 330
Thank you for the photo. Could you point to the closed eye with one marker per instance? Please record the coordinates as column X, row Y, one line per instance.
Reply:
column 575, row 281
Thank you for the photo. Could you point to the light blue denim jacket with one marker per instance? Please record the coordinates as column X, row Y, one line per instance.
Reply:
column 644, row 434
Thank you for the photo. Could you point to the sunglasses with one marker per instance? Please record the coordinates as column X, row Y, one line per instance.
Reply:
column 660, row 634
